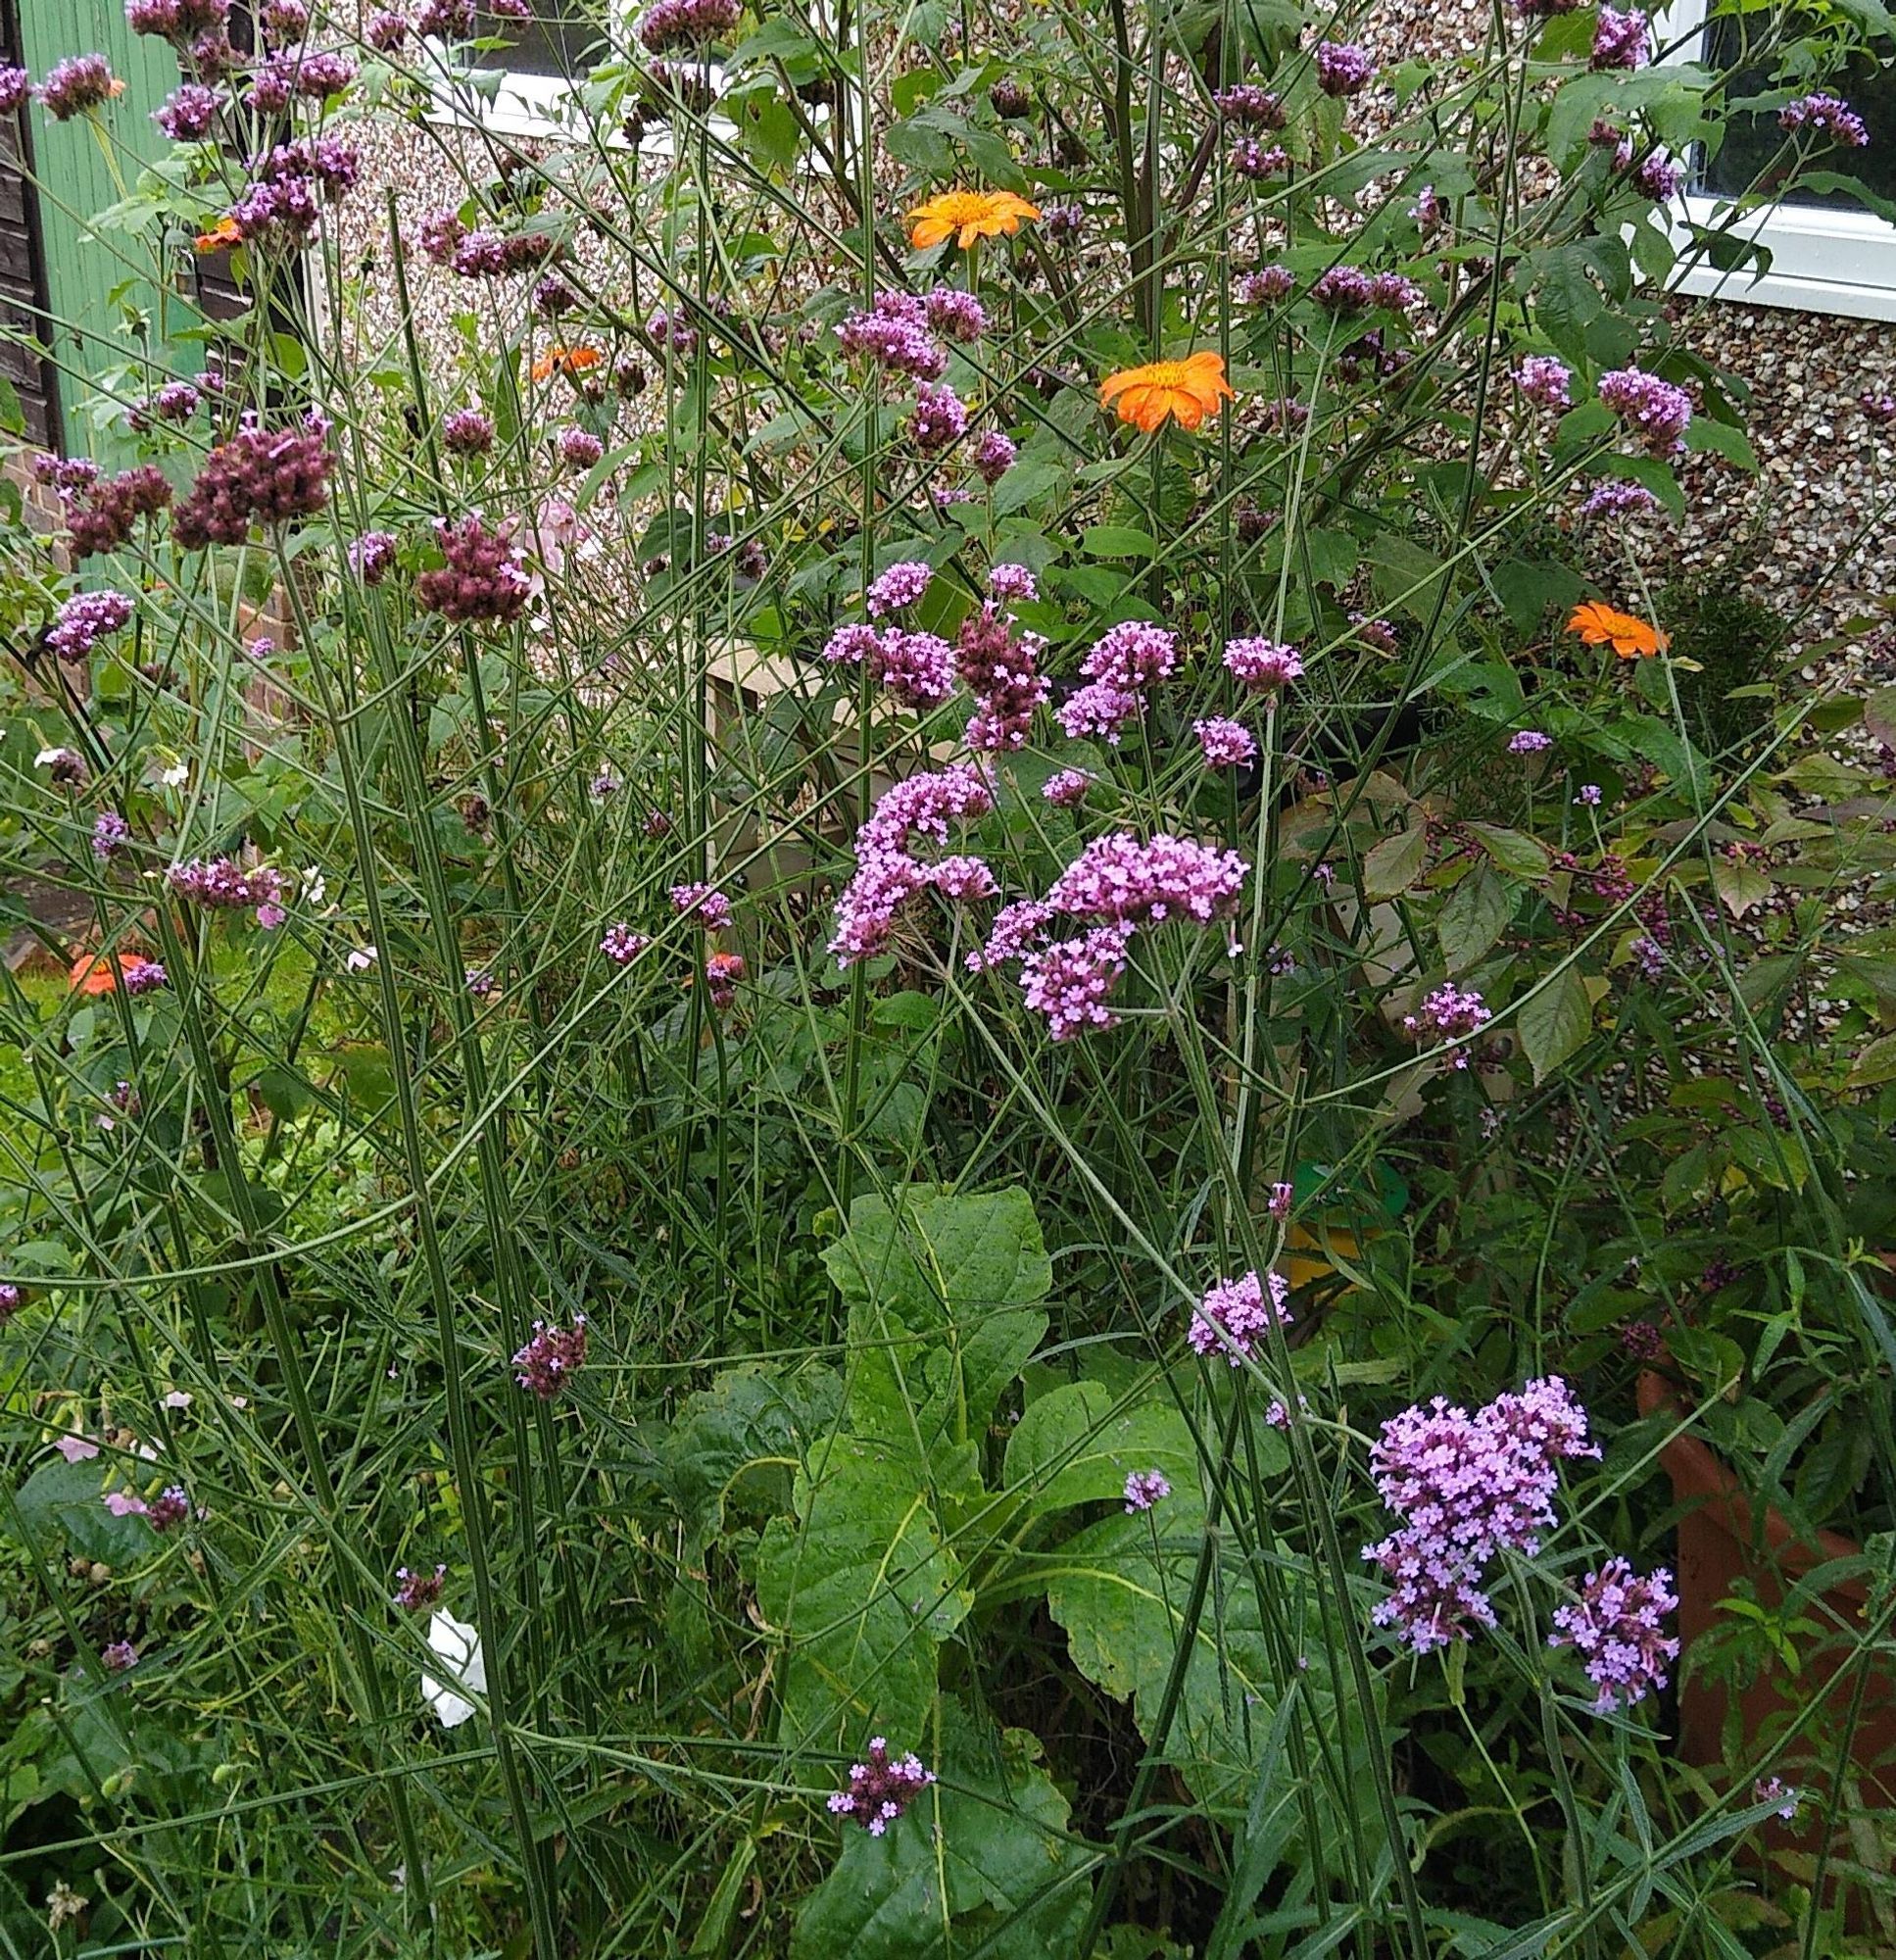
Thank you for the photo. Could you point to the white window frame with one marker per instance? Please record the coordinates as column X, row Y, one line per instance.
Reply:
column 1822, row 260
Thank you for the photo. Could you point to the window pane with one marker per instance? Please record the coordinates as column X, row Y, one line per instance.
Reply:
column 563, row 37
column 1756, row 152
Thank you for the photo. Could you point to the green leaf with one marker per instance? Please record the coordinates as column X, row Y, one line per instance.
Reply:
column 1396, row 863
column 1703, row 435
column 1475, row 916
column 975, row 1865
column 1739, row 884
column 1072, row 1447
column 63, row 1507
column 1554, row 1022
column 741, row 1442
column 1512, row 849
column 1119, row 1589
column 1116, row 540
column 863, row 1590
column 1875, row 1065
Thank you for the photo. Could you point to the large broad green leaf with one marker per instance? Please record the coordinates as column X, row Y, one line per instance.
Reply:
column 62, row 1506
column 1073, row 1446
column 741, row 1441
column 1474, row 917
column 860, row 1581
column 863, row 1589
column 1120, row 1589
column 982, row 1862
column 940, row 1292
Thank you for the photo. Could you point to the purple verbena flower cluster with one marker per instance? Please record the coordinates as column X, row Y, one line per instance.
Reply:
column 102, row 513
column 1829, row 116
column 1615, row 1627
column 85, row 619
column 1448, row 1013
column 1265, row 286
column 887, row 872
column 1467, row 1488
column 1144, row 1488
column 77, row 85
column 939, row 421
column 189, row 113
column 1003, row 670
column 881, row 1789
column 677, row 23
column 1656, row 411
column 222, row 884
column 706, row 904
column 894, row 333
column 1227, row 745
column 621, row 945
column 1343, row 69
column 261, row 475
column 1250, row 107
column 417, row 1592
column 1544, row 381
column 371, row 557
column 1066, row 789
column 482, row 579
column 1262, row 665
column 110, row 833
column 1618, row 498
column 1621, row 40
column 1118, row 878
column 1234, row 1317
column 917, row 668
column 1068, row 980
column 898, row 588
column 1528, row 741
column 545, row 1364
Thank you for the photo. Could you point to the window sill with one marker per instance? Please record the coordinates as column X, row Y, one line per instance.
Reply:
column 1824, row 261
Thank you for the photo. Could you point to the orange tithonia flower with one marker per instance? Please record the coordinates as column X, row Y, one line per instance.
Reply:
column 227, row 231
column 1631, row 639
column 1187, row 390
column 966, row 216
column 560, row 359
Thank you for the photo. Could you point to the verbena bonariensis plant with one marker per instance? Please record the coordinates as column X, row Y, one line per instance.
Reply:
column 893, row 978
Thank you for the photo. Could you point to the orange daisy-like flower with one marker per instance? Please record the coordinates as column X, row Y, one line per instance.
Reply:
column 1631, row 639
column 227, row 231
column 560, row 359
column 966, row 216
column 1186, row 390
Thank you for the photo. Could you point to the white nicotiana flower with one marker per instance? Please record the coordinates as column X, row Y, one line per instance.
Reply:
column 316, row 887
column 361, row 959
column 176, row 776
column 47, row 758
column 457, row 1647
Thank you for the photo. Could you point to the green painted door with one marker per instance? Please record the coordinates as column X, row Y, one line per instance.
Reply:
column 119, row 313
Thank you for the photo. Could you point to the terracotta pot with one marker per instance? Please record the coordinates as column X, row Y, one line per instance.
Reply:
column 1720, row 1540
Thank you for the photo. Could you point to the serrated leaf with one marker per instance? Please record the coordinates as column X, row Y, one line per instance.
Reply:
column 1072, row 1447
column 63, row 1506
column 1474, row 917
column 742, row 1441
column 1553, row 1022
column 1396, row 863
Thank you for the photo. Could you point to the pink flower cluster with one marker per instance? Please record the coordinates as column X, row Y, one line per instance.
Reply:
column 1069, row 980
column 261, row 475
column 1656, row 411
column 1124, row 664
column 899, row 588
column 1448, row 1013
column 1001, row 669
column 482, row 579
column 1120, row 879
column 1544, row 381
column 1343, row 69
column 887, row 872
column 1615, row 1627
column 679, row 23
column 220, row 884
column 1227, row 745
column 1262, row 665
column 881, row 1789
column 917, row 668
column 894, row 335
column 1620, row 40
column 85, row 619
column 1234, row 1317
column 101, row 514
column 1827, row 113
column 1467, row 1488
column 1144, row 1488
column 545, row 1364
column 76, row 85
column 706, row 902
